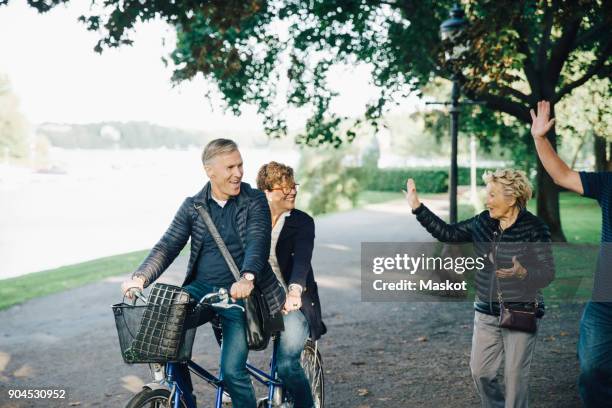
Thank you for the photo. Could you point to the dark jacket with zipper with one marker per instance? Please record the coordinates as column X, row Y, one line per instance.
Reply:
column 528, row 239
column 294, row 253
column 253, row 221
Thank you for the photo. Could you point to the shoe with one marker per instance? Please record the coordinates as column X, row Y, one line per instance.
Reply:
column 226, row 400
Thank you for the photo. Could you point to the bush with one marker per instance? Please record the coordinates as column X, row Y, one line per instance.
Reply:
column 428, row 180
column 325, row 186
column 463, row 176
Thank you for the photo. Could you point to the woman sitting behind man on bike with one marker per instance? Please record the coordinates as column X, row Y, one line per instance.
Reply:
column 290, row 255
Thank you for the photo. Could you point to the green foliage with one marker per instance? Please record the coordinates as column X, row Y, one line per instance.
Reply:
column 520, row 51
column 500, row 136
column 325, row 186
column 587, row 110
column 371, row 154
column 13, row 126
column 428, row 180
column 229, row 42
column 464, row 178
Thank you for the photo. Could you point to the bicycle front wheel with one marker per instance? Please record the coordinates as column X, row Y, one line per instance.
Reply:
column 313, row 368
column 148, row 398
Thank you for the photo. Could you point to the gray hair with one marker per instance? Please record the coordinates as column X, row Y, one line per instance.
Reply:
column 514, row 183
column 216, row 147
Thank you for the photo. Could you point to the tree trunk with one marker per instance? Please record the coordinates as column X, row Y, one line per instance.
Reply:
column 577, row 153
column 599, row 150
column 548, row 197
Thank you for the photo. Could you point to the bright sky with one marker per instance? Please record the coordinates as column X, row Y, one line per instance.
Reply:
column 50, row 62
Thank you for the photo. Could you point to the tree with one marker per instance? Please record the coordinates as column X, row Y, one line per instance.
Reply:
column 521, row 51
column 13, row 125
column 587, row 114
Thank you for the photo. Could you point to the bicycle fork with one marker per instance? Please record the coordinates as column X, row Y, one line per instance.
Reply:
column 275, row 393
column 177, row 392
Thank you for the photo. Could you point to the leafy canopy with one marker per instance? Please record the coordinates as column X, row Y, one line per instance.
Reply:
column 520, row 51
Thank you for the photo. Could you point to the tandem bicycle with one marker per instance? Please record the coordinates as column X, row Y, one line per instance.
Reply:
column 159, row 330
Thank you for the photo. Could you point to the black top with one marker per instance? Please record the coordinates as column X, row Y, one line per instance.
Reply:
column 294, row 253
column 528, row 239
column 212, row 268
column 253, row 225
column 599, row 187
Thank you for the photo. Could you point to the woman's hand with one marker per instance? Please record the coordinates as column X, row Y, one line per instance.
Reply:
column 411, row 194
column 541, row 123
column 293, row 302
column 517, row 270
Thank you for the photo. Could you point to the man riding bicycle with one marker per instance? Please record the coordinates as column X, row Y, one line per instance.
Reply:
column 242, row 216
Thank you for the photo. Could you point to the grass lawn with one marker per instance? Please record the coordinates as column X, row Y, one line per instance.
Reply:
column 580, row 218
column 575, row 263
column 21, row 288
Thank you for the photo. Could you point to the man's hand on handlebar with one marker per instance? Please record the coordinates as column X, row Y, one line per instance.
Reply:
column 128, row 286
column 219, row 300
column 241, row 289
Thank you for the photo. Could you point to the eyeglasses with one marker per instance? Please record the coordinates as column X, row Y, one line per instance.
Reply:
column 286, row 189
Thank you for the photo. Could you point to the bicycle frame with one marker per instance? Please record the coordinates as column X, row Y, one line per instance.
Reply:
column 178, row 386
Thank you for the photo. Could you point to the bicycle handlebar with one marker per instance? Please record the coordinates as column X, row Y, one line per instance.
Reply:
column 216, row 300
column 136, row 294
column 219, row 300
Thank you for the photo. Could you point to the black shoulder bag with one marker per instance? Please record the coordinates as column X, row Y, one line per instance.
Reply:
column 513, row 319
column 257, row 313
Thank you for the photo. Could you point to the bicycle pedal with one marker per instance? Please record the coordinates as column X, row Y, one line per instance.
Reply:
column 263, row 402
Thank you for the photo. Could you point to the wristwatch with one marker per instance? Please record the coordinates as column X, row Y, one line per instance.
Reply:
column 296, row 286
column 248, row 276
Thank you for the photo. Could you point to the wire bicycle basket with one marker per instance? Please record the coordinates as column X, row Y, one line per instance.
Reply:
column 156, row 332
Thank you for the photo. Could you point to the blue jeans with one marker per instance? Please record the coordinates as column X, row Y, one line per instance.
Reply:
column 234, row 350
column 595, row 355
column 288, row 355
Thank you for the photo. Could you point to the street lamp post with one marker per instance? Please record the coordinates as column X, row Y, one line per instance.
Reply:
column 450, row 31
column 453, row 178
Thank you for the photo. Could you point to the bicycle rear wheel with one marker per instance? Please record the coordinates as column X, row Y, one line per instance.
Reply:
column 148, row 398
column 313, row 368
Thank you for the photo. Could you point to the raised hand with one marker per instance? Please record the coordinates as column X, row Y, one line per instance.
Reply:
column 541, row 123
column 411, row 194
